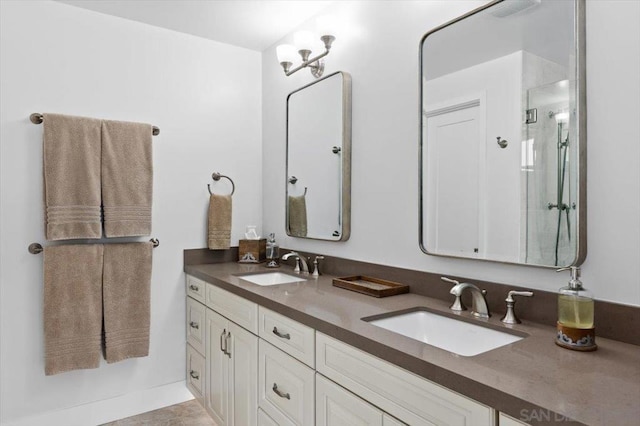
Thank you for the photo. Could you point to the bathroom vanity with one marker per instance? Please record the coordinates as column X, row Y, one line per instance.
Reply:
column 299, row 353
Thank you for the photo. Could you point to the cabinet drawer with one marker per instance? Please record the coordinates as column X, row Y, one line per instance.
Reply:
column 239, row 310
column 404, row 395
column 264, row 419
column 294, row 338
column 286, row 388
column 195, row 288
column 336, row 406
column 195, row 324
column 195, row 373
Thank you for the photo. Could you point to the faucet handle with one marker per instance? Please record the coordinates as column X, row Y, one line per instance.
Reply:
column 316, row 262
column 457, row 305
column 449, row 280
column 510, row 316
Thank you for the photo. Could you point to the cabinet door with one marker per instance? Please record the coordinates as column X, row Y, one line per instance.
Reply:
column 243, row 376
column 217, row 368
column 336, row 406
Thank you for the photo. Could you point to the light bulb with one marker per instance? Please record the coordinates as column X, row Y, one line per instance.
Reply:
column 303, row 40
column 286, row 53
column 326, row 25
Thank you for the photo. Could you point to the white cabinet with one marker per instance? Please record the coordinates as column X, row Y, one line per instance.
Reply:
column 195, row 324
column 400, row 393
column 505, row 420
column 286, row 387
column 232, row 372
column 336, row 406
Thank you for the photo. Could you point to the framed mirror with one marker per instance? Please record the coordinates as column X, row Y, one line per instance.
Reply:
column 318, row 188
column 503, row 128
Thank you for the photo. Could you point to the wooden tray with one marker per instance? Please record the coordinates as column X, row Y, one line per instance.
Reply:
column 371, row 286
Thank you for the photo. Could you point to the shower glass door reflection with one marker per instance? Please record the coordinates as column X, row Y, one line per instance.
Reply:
column 550, row 177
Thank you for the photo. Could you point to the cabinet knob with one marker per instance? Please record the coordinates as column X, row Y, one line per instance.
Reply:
column 281, row 335
column 280, row 393
column 194, row 287
column 194, row 374
column 194, row 324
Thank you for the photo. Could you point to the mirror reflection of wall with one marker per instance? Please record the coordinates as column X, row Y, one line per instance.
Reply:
column 318, row 159
column 500, row 159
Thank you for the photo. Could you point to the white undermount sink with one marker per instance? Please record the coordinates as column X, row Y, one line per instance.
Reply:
column 446, row 333
column 271, row 278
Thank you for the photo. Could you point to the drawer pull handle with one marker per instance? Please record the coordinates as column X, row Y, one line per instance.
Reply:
column 223, row 341
column 194, row 287
column 280, row 393
column 194, row 374
column 194, row 324
column 282, row 336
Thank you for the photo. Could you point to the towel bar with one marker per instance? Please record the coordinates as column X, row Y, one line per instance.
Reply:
column 37, row 118
column 217, row 176
column 36, row 248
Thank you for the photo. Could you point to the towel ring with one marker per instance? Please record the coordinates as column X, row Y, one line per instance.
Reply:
column 217, row 176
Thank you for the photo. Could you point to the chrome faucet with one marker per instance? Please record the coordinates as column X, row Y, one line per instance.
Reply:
column 479, row 309
column 301, row 263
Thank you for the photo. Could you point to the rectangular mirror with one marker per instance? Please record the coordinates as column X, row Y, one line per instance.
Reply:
column 503, row 126
column 318, row 190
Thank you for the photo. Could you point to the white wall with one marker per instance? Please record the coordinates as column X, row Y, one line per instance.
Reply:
column 378, row 45
column 204, row 96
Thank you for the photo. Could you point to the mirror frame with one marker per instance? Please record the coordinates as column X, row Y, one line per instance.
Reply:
column 581, row 112
column 345, row 155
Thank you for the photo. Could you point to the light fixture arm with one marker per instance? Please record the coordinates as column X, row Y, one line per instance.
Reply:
column 309, row 63
column 315, row 64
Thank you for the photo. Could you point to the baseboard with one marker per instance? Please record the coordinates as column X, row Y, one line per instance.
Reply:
column 108, row 410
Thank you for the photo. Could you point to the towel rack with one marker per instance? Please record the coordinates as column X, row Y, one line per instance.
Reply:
column 37, row 118
column 36, row 248
column 217, row 176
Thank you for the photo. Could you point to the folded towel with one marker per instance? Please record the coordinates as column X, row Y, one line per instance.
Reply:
column 298, row 215
column 219, row 222
column 72, row 307
column 127, row 178
column 71, row 152
column 126, row 292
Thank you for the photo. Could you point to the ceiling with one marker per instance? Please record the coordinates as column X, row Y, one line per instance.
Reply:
column 253, row 24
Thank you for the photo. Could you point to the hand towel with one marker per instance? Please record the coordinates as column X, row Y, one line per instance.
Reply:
column 72, row 157
column 127, row 178
column 126, row 286
column 298, row 215
column 72, row 307
column 219, row 219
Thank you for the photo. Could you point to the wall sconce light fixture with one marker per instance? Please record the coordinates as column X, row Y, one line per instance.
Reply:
column 303, row 41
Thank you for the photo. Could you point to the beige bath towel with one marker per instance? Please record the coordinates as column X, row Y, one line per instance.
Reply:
column 127, row 178
column 71, row 153
column 219, row 236
column 126, row 295
column 298, row 215
column 72, row 307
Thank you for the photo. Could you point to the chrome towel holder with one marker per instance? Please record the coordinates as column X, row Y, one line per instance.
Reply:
column 36, row 248
column 37, row 118
column 216, row 177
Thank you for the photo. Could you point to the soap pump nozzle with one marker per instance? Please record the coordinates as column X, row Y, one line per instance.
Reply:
column 574, row 282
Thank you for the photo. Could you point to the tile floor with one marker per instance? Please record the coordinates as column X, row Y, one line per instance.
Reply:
column 188, row 413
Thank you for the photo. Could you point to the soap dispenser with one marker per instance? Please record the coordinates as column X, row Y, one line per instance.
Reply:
column 575, row 315
column 273, row 252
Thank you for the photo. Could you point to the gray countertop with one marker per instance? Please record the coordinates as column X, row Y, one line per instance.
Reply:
column 533, row 379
